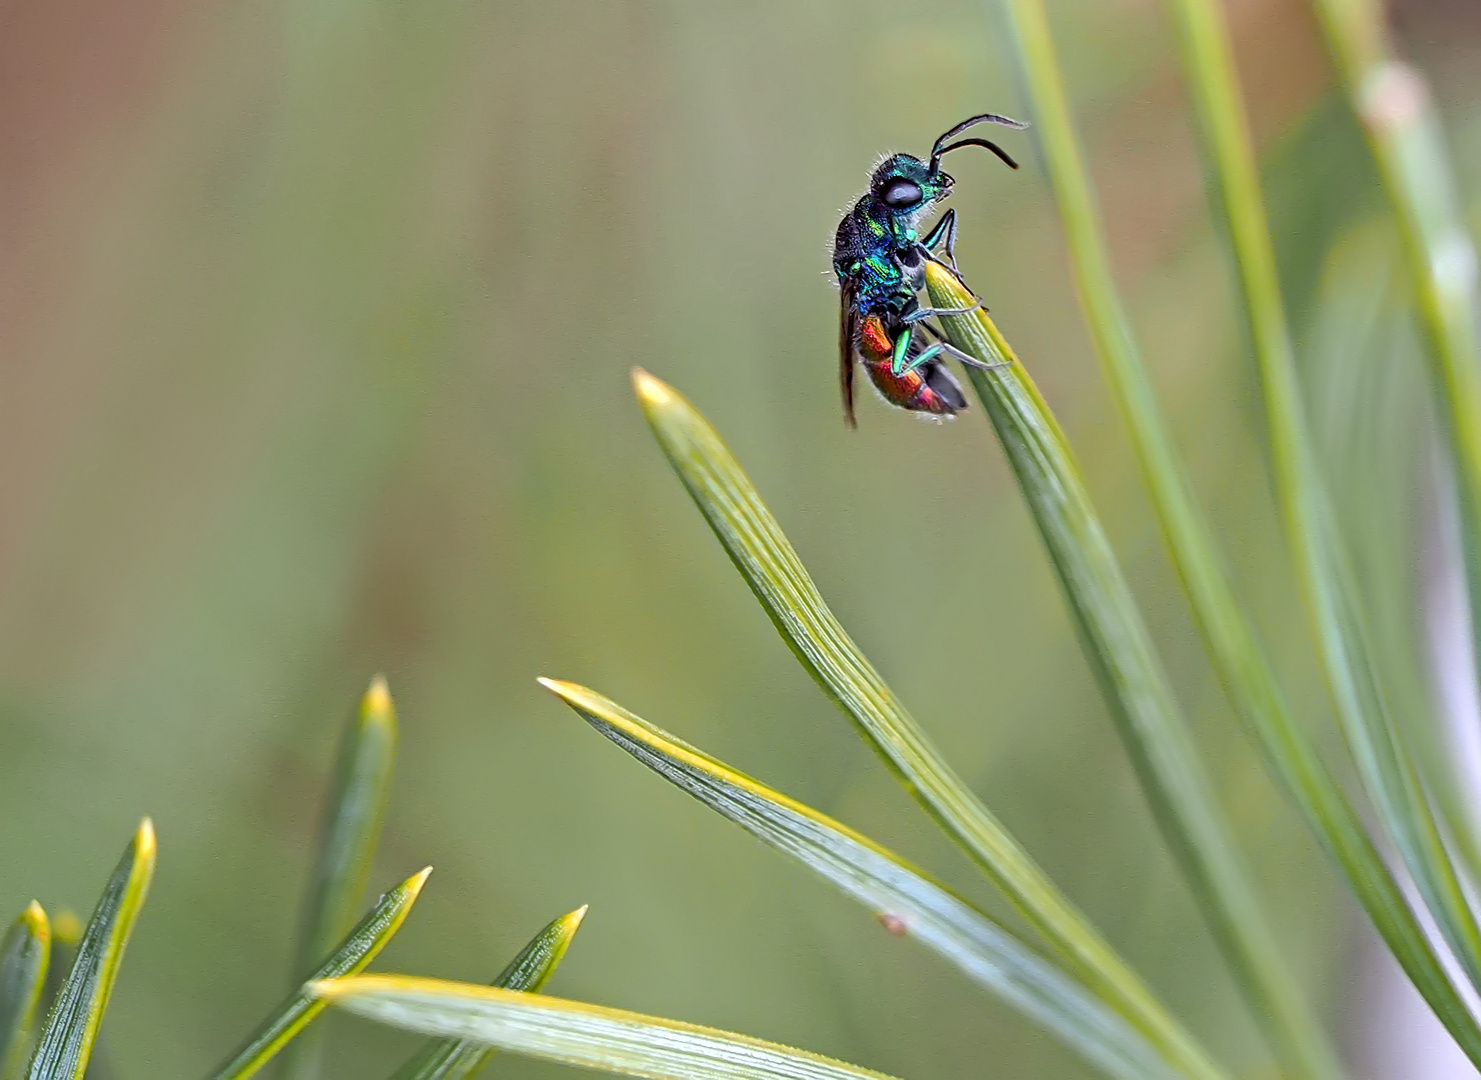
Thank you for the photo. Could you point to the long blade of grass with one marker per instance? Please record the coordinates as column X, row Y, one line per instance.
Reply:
column 908, row 901
column 66, row 1042
column 530, row 970
column 770, row 566
column 352, row 825
column 23, row 959
column 575, row 1033
column 1209, row 63
column 1392, row 102
column 358, row 949
column 1135, row 686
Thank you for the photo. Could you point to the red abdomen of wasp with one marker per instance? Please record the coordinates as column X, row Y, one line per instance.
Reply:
column 908, row 391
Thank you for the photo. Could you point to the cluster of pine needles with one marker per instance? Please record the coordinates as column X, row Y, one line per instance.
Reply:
column 1396, row 834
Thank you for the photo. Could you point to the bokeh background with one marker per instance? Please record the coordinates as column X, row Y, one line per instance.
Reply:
column 317, row 324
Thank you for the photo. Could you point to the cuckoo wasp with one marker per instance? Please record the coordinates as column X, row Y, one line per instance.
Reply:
column 879, row 259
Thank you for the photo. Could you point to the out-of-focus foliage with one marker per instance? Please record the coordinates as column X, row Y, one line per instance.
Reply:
column 318, row 319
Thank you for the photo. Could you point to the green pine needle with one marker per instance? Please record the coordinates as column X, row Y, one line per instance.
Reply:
column 760, row 551
column 357, row 950
column 66, row 1043
column 574, row 1033
column 530, row 970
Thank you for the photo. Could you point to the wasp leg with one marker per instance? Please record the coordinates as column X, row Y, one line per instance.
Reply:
column 971, row 361
column 902, row 363
column 942, row 348
column 902, row 347
column 935, row 333
column 943, row 235
column 945, row 230
column 950, row 267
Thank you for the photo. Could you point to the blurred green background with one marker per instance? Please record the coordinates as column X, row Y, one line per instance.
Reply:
column 318, row 320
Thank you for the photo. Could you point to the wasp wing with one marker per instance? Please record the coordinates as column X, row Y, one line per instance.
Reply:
column 939, row 379
column 848, row 328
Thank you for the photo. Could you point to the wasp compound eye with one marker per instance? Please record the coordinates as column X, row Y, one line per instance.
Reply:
column 901, row 194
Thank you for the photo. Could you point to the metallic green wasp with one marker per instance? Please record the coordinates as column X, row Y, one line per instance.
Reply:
column 879, row 258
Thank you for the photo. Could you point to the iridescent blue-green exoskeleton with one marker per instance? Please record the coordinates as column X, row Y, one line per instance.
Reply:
column 879, row 258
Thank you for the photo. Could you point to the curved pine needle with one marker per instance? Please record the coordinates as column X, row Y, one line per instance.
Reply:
column 903, row 898
column 1208, row 61
column 23, row 961
column 766, row 560
column 1133, row 682
column 1392, row 102
column 530, row 970
column 66, row 1043
column 352, row 826
column 575, row 1033
column 367, row 756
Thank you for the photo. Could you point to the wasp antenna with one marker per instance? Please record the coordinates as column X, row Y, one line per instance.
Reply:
column 994, row 147
column 941, row 148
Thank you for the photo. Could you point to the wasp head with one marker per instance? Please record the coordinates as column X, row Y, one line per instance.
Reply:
column 907, row 186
